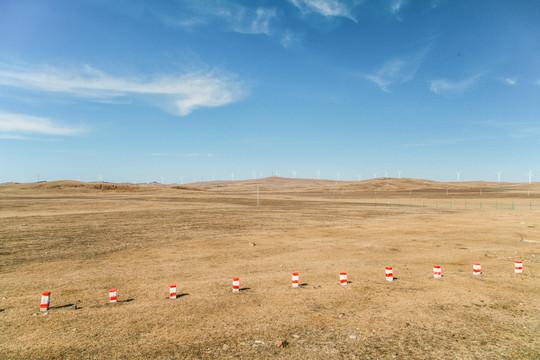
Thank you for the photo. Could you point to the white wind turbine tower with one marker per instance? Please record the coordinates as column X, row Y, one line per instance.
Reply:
column 359, row 177
column 374, row 175
column 181, row 180
column 458, row 174
column 385, row 174
column 399, row 173
column 232, row 176
column 294, row 174
column 318, row 174
column 337, row 176
column 499, row 176
column 530, row 176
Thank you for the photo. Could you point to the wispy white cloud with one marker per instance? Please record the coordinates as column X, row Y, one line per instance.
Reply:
column 328, row 8
column 511, row 81
column 235, row 17
column 398, row 70
column 260, row 24
column 231, row 16
column 289, row 39
column 13, row 125
column 444, row 86
column 182, row 93
column 396, row 6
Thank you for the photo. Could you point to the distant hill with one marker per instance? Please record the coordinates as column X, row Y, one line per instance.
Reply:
column 281, row 184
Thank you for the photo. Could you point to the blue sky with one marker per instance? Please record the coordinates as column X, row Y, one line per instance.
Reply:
column 189, row 90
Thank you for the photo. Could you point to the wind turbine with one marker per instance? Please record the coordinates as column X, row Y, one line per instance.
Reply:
column 499, row 176
column 374, row 175
column 181, row 180
column 359, row 177
column 458, row 174
column 385, row 174
column 100, row 177
column 294, row 174
column 318, row 174
column 399, row 173
column 337, row 176
column 213, row 177
column 232, row 176
column 530, row 176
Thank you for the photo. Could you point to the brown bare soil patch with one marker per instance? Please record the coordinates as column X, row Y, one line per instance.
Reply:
column 77, row 241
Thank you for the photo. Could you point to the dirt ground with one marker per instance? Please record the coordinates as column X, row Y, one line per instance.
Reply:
column 77, row 240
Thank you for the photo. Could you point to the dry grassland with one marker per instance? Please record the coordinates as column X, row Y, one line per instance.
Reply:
column 78, row 240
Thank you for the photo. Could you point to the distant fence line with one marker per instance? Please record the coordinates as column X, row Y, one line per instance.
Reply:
column 418, row 204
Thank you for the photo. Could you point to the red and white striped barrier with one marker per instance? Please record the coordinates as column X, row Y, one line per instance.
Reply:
column 294, row 280
column 518, row 267
column 112, row 295
column 235, row 285
column 172, row 291
column 343, row 278
column 45, row 301
column 389, row 274
column 477, row 269
column 437, row 274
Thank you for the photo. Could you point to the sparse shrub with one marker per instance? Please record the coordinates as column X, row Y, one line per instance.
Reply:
column 193, row 188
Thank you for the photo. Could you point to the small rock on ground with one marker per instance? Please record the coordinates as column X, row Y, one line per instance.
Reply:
column 281, row 343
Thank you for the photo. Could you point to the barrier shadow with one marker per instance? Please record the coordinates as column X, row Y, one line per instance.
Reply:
column 181, row 295
column 72, row 306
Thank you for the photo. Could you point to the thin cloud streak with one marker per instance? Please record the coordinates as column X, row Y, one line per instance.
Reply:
column 12, row 137
column 184, row 93
column 11, row 125
column 444, row 86
column 397, row 70
column 440, row 142
column 327, row 8
column 514, row 129
column 187, row 155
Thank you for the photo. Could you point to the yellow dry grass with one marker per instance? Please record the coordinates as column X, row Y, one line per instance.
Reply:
column 79, row 241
